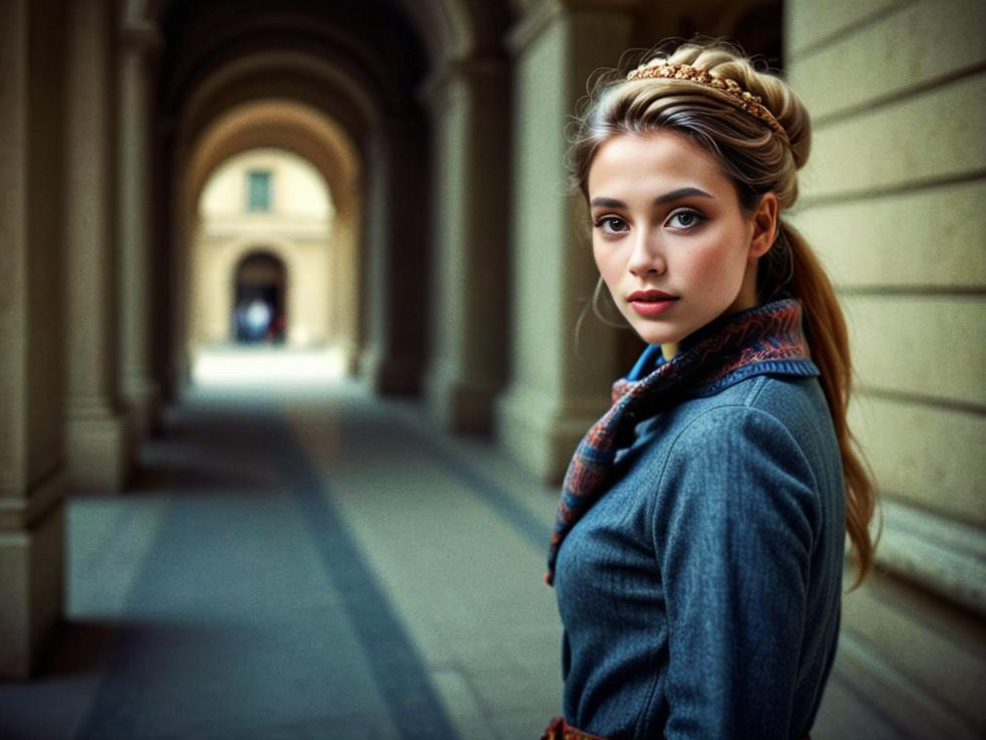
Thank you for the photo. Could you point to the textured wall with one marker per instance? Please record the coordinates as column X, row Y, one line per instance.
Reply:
column 891, row 200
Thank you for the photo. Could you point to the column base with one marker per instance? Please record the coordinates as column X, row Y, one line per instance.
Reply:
column 99, row 451
column 390, row 376
column 350, row 358
column 143, row 402
column 541, row 431
column 461, row 406
column 32, row 577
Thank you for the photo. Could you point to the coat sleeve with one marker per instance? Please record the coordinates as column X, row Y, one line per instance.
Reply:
column 734, row 531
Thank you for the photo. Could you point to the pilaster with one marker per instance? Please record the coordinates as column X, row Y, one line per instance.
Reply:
column 32, row 313
column 97, row 438
column 395, row 286
column 560, row 376
column 139, row 45
column 470, row 107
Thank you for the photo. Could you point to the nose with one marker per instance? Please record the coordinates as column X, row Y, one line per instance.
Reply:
column 647, row 257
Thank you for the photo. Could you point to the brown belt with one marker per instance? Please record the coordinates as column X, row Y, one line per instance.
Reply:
column 559, row 729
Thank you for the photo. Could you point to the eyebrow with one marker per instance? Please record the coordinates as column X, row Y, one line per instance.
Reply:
column 660, row 200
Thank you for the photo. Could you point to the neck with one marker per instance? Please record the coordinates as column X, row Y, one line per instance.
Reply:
column 669, row 350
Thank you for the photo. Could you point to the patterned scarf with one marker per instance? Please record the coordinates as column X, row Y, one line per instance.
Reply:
column 761, row 340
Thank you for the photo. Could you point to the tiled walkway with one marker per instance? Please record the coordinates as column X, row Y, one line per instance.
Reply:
column 312, row 565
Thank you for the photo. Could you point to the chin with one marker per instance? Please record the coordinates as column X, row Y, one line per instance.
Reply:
column 659, row 334
column 671, row 331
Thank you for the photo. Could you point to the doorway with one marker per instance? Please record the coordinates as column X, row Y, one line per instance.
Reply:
column 259, row 300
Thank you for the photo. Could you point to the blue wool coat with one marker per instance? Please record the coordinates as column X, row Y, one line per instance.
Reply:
column 701, row 594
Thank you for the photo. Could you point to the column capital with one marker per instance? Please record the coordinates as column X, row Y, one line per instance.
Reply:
column 537, row 15
column 616, row 6
column 141, row 38
column 473, row 70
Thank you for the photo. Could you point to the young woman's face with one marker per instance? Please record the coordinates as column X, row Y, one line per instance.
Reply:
column 669, row 237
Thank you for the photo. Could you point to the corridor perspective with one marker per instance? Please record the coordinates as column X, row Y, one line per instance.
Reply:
column 295, row 349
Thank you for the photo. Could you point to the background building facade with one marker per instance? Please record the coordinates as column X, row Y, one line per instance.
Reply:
column 263, row 234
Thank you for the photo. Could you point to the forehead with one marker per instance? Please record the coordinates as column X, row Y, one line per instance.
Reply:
column 657, row 160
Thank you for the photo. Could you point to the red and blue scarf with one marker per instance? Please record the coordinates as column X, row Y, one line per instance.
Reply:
column 767, row 339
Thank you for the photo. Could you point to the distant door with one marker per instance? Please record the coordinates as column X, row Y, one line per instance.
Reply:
column 259, row 299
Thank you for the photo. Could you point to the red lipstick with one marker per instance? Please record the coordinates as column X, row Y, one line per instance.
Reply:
column 651, row 302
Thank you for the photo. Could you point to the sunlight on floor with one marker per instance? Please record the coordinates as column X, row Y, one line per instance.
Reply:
column 232, row 365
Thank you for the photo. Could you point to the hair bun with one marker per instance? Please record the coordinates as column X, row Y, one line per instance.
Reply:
column 725, row 62
column 790, row 113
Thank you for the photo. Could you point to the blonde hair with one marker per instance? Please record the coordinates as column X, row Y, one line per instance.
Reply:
column 758, row 161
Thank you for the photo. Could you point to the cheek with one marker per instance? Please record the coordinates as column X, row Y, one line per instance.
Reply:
column 716, row 265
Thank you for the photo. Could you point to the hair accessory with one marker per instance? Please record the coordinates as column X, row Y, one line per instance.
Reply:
column 752, row 104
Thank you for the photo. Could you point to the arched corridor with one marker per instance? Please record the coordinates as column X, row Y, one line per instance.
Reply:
column 336, row 526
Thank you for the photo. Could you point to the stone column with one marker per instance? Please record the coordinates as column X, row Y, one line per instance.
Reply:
column 395, row 286
column 344, row 277
column 560, row 380
column 372, row 265
column 97, row 439
column 470, row 108
column 139, row 390
column 32, row 312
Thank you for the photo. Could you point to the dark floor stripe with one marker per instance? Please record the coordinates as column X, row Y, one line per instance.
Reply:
column 121, row 709
column 394, row 663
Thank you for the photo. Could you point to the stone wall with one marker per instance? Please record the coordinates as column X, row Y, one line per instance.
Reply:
column 891, row 200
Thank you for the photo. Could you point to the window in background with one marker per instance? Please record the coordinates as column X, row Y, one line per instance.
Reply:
column 258, row 191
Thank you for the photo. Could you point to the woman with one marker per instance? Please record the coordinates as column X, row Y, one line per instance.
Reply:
column 697, row 556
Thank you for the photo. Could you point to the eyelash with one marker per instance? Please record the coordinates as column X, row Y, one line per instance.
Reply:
column 601, row 223
column 691, row 212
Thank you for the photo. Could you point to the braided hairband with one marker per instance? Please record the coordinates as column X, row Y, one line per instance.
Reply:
column 751, row 104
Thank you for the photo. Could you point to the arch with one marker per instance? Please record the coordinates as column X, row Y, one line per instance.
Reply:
column 445, row 26
column 283, row 42
column 304, row 79
column 306, row 132
column 283, row 124
column 367, row 78
column 449, row 29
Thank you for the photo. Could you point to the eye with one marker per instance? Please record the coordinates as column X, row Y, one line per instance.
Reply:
column 612, row 225
column 684, row 219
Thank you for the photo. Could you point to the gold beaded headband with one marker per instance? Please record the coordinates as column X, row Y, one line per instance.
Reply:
column 752, row 104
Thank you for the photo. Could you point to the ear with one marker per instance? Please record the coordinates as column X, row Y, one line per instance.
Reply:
column 764, row 226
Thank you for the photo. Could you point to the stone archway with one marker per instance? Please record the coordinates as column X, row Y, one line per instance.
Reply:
column 354, row 176
column 323, row 144
column 367, row 77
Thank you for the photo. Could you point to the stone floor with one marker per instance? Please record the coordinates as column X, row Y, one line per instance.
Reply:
column 310, row 563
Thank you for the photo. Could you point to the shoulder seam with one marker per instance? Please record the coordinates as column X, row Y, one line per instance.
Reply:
column 745, row 406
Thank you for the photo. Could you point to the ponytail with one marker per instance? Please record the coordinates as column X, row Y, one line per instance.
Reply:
column 795, row 272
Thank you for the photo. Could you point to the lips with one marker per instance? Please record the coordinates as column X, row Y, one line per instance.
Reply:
column 651, row 302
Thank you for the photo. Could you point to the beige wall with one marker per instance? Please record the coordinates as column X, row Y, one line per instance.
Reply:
column 892, row 201
column 540, row 223
column 297, row 230
column 299, row 195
